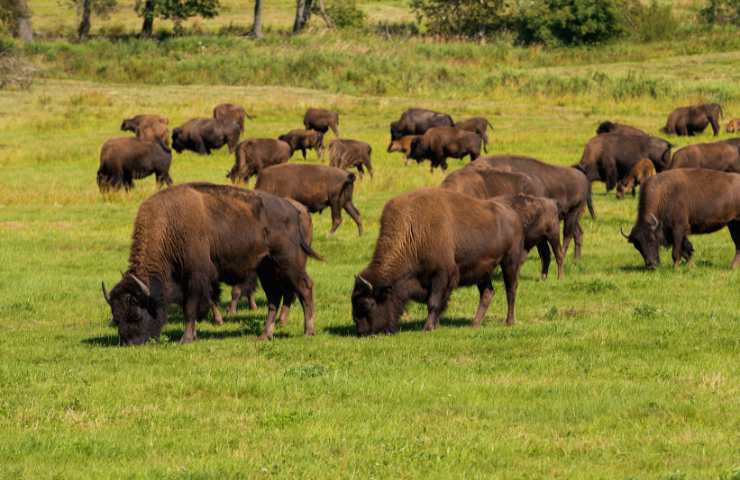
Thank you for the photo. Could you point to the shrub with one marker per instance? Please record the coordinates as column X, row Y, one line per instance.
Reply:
column 345, row 14
column 721, row 12
column 648, row 23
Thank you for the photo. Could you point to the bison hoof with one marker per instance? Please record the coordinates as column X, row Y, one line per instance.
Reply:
column 186, row 339
column 264, row 338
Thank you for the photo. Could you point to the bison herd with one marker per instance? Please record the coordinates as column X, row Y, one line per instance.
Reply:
column 191, row 238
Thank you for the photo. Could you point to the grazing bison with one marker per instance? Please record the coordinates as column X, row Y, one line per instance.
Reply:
column 153, row 130
column 440, row 143
column 201, row 135
column 477, row 125
column 228, row 112
column 124, row 159
column 692, row 120
column 676, row 203
column 346, row 154
column 315, row 186
column 722, row 156
column 568, row 186
column 733, row 126
column 639, row 173
column 416, row 121
column 619, row 128
column 321, row 120
column 227, row 234
column 255, row 154
column 480, row 180
column 610, row 157
column 131, row 124
column 403, row 144
column 300, row 139
column 431, row 242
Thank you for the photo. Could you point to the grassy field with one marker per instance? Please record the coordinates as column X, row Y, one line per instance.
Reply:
column 613, row 372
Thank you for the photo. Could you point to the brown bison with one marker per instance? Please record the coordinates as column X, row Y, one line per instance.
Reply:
column 124, row 159
column 676, row 203
column 131, row 124
column 618, row 128
column 416, row 121
column 722, row 156
column 346, row 154
column 733, row 126
column 610, row 157
column 692, row 120
column 228, row 112
column 568, row 186
column 201, row 135
column 403, row 144
column 153, row 130
column 477, row 125
column 227, row 234
column 440, row 143
column 315, row 186
column 431, row 242
column 639, row 173
column 480, row 180
column 300, row 139
column 321, row 120
column 255, row 154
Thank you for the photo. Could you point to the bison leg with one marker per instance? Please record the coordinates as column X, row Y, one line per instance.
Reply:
column 439, row 294
column 288, row 299
column 486, row 295
column 572, row 230
column 303, row 289
column 200, row 146
column 554, row 240
column 369, row 167
column 273, row 291
column 510, row 268
column 352, row 211
column 336, row 216
column 679, row 240
column 236, row 294
column 361, row 170
column 735, row 233
column 191, row 314
column 544, row 250
column 164, row 179
column 715, row 125
column 218, row 319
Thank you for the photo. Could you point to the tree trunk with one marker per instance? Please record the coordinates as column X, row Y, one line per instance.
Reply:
column 84, row 29
column 302, row 14
column 25, row 30
column 257, row 26
column 322, row 12
column 148, row 26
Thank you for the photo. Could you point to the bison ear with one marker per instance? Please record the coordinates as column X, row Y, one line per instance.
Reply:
column 363, row 286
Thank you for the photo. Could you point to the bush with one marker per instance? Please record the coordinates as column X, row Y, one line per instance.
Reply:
column 721, row 12
column 345, row 14
column 649, row 23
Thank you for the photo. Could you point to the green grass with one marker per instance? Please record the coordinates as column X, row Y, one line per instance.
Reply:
column 613, row 372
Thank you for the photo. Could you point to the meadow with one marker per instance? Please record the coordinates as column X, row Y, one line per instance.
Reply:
column 612, row 372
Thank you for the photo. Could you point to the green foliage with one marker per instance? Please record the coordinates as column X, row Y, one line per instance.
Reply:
column 568, row 22
column 8, row 16
column 101, row 8
column 648, row 23
column 721, row 12
column 467, row 18
column 179, row 10
column 345, row 13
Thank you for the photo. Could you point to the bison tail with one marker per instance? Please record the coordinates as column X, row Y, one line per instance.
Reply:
column 590, row 203
column 309, row 250
column 163, row 146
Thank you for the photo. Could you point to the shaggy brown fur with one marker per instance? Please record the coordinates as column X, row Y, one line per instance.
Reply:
column 477, row 125
column 733, row 126
column 300, row 139
column 152, row 130
column 440, row 143
column 693, row 120
column 639, row 173
column 676, row 203
column 229, row 112
column 201, row 135
column 131, row 124
column 254, row 154
column 431, row 242
column 618, row 128
column 722, row 156
column 315, row 186
column 346, row 154
column 416, row 121
column 124, row 159
column 403, row 144
column 480, row 180
column 321, row 120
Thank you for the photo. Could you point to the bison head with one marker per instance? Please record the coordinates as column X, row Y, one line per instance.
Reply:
column 178, row 142
column 135, row 311
column 646, row 237
column 372, row 309
column 417, row 150
column 128, row 125
column 396, row 132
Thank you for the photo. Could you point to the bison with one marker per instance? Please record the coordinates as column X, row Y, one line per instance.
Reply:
column 676, row 203
column 639, row 173
column 152, row 130
column 733, row 126
column 254, row 154
column 321, row 120
column 477, row 125
column 480, row 180
column 315, row 186
column 124, row 159
column 694, row 119
column 610, row 157
column 228, row 112
column 440, row 143
column 201, row 135
column 300, row 139
column 722, row 156
column 131, row 124
column 568, row 186
column 227, row 234
column 431, row 242
column 346, row 154
column 403, row 144
column 618, row 128
column 416, row 121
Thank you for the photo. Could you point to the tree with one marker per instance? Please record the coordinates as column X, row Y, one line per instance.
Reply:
column 177, row 10
column 257, row 26
column 84, row 29
column 16, row 16
column 303, row 10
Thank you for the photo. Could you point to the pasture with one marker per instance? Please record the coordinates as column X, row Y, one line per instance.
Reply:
column 613, row 372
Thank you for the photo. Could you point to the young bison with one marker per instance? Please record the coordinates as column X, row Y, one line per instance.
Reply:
column 303, row 140
column 639, row 173
column 403, row 144
column 477, row 125
column 431, row 242
column 315, row 186
column 733, row 126
column 440, row 143
column 346, row 154
column 255, row 154
column 124, row 159
column 321, row 120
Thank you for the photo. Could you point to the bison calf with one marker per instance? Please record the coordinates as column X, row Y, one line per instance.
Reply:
column 255, row 154
column 403, row 144
column 124, row 159
column 638, row 174
column 346, row 154
column 477, row 125
column 303, row 140
column 440, row 143
column 321, row 120
column 315, row 186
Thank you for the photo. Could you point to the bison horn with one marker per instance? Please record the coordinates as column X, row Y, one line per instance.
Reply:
column 141, row 285
column 623, row 234
column 105, row 293
column 654, row 223
column 364, row 282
